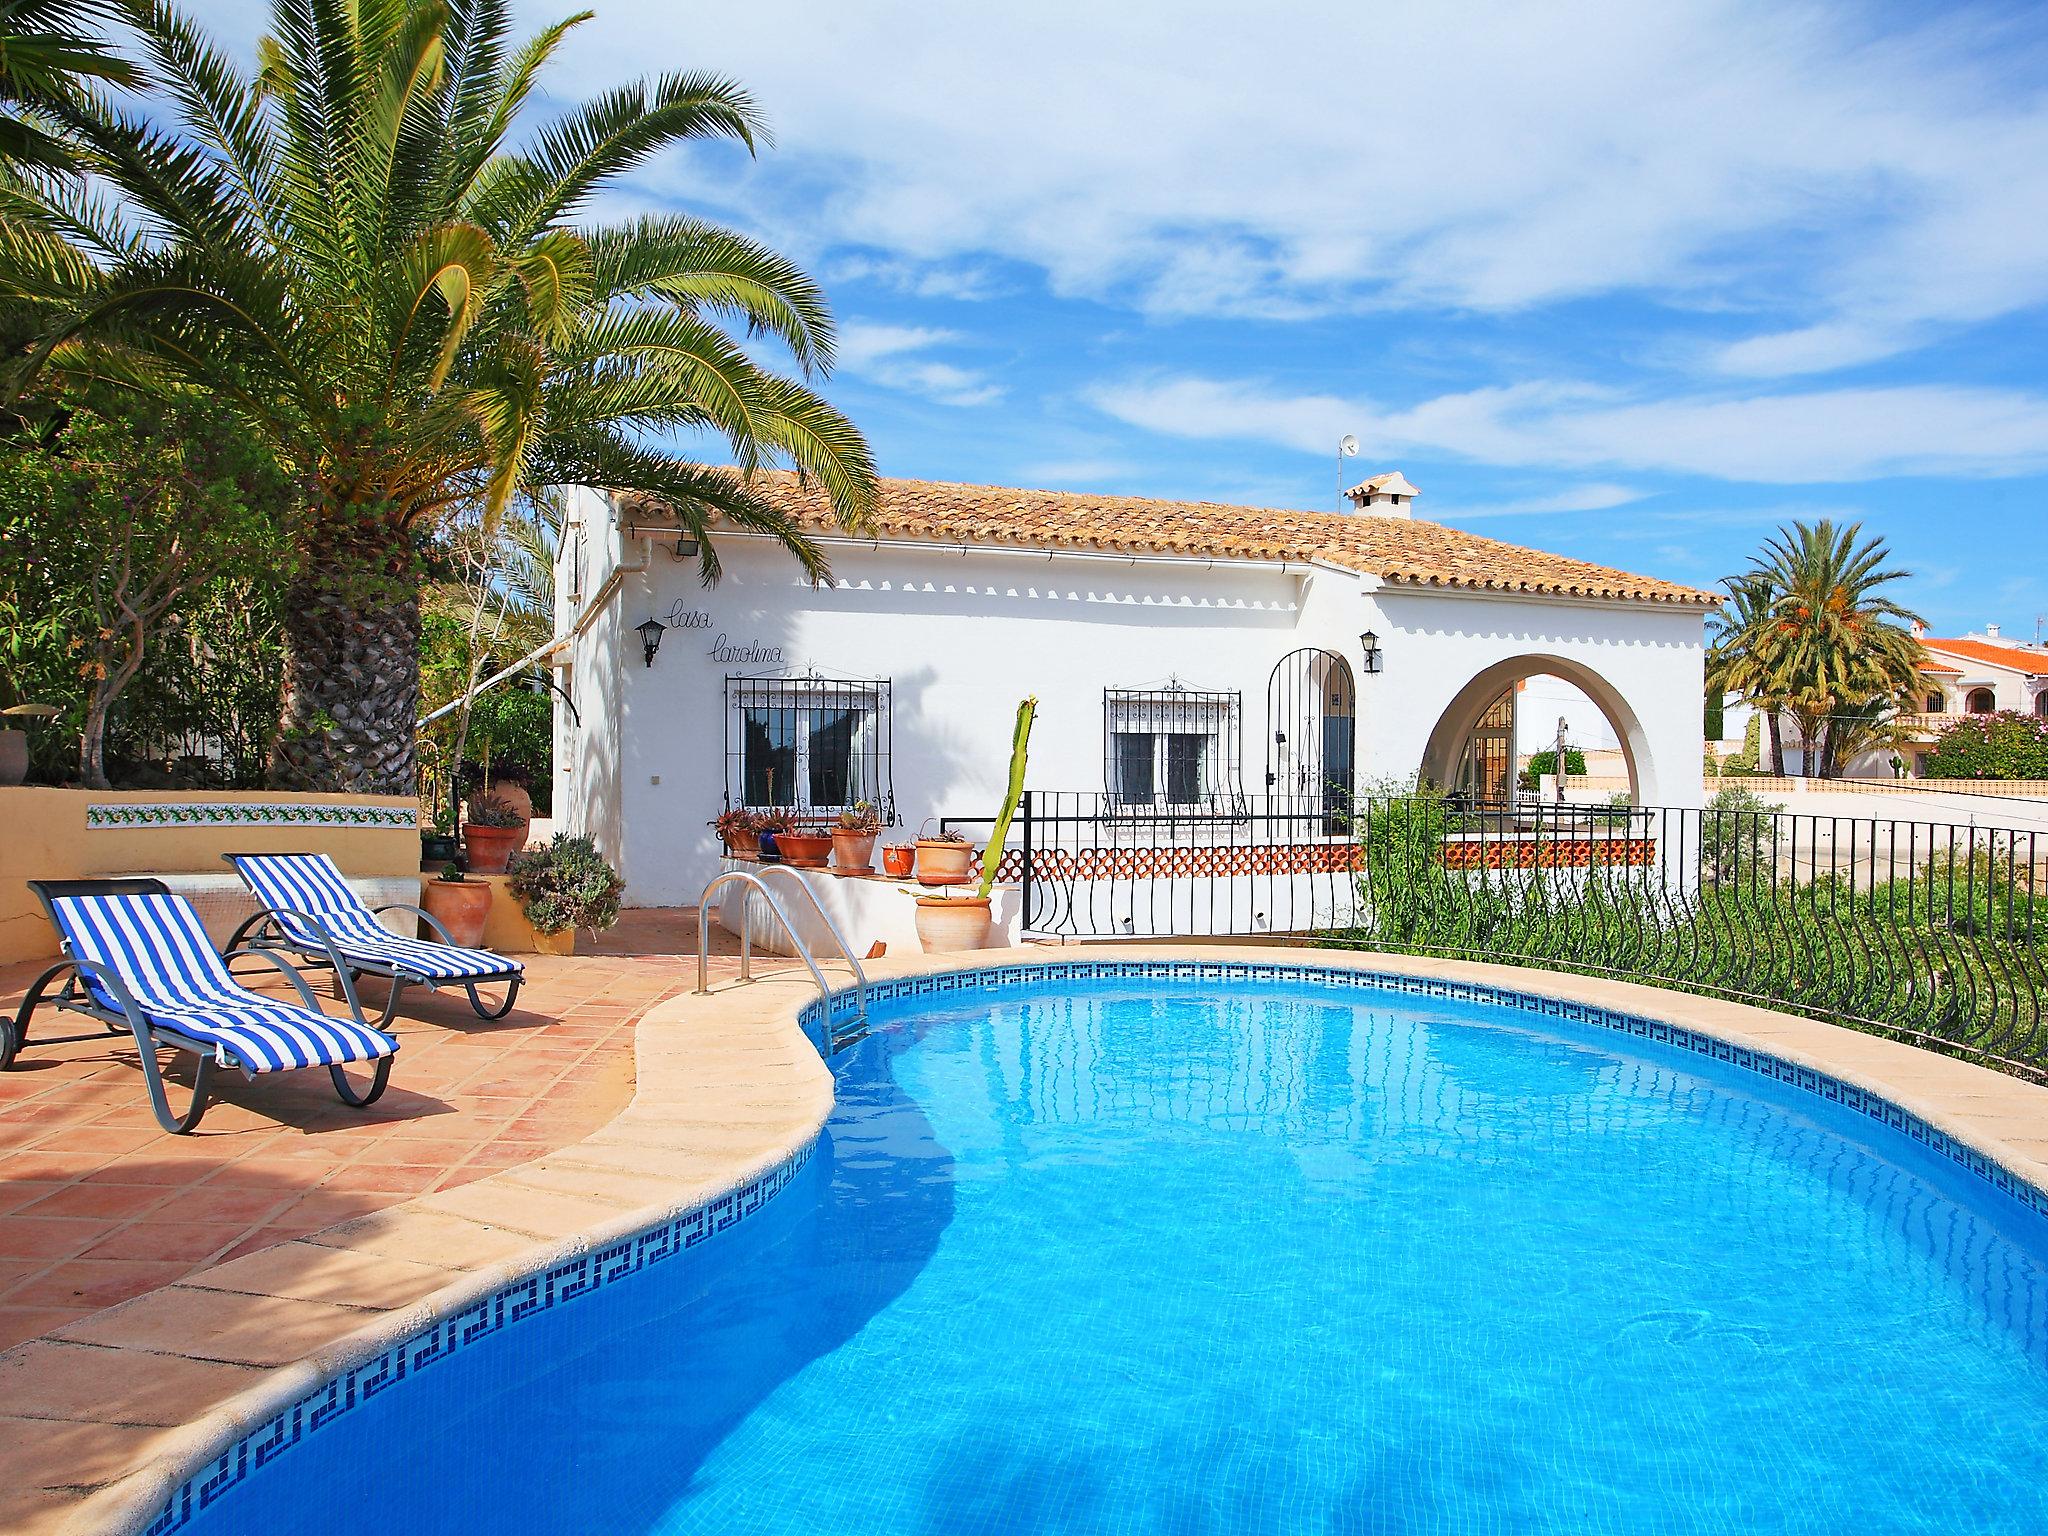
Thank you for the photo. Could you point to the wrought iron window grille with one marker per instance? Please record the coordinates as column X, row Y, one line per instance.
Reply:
column 810, row 743
column 1172, row 746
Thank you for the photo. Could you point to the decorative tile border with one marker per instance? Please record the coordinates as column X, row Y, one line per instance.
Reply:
column 848, row 1027
column 104, row 815
column 564, row 1281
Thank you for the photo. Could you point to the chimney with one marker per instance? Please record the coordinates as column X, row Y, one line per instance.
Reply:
column 1919, row 630
column 1990, row 631
column 1384, row 495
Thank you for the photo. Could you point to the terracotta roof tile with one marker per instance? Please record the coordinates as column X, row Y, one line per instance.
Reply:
column 1400, row 551
column 1996, row 653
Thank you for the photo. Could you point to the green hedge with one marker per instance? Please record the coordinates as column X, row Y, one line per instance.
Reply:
column 2001, row 746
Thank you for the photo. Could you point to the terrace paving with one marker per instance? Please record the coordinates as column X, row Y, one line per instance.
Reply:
column 97, row 1205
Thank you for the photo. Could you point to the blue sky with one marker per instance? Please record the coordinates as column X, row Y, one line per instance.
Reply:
column 1634, row 282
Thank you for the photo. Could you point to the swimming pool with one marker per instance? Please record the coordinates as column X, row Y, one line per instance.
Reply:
column 1166, row 1250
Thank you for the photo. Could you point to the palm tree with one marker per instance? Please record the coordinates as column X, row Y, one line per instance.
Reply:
column 50, row 50
column 1834, row 645
column 1747, row 657
column 407, row 309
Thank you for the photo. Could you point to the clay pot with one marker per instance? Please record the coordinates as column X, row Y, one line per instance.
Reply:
column 898, row 859
column 13, row 756
column 853, row 853
column 805, row 850
column 438, row 848
column 947, row 927
column 744, row 845
column 944, row 863
column 463, row 906
column 490, row 849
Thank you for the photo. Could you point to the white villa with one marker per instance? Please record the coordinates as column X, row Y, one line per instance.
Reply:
column 1182, row 653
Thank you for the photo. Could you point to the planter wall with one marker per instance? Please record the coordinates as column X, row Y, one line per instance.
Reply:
column 68, row 834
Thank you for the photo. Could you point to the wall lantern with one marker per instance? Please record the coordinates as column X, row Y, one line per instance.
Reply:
column 1371, row 643
column 651, row 630
column 687, row 546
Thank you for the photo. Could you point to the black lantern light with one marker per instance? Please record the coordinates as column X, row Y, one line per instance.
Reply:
column 1371, row 643
column 651, row 630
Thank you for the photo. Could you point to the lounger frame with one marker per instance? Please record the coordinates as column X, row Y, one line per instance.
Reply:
column 262, row 932
column 75, row 997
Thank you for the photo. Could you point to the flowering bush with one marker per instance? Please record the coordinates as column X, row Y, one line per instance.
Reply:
column 2006, row 745
column 566, row 883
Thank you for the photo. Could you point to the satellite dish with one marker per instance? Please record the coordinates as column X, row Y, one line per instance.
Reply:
column 1348, row 446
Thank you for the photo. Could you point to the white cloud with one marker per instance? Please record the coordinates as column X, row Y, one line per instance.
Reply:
column 1597, row 496
column 888, row 355
column 1812, row 437
column 1852, row 189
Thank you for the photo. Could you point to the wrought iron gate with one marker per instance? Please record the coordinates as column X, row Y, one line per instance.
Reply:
column 1311, row 720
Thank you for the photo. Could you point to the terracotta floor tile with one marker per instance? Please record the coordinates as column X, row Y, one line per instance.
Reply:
column 213, row 1325
column 95, row 1199
column 188, row 1243
column 47, row 1237
column 91, row 1283
column 15, row 1193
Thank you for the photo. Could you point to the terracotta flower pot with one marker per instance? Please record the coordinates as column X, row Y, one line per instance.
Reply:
column 805, row 850
column 898, row 859
column 853, row 853
column 947, row 927
column 490, row 849
column 463, row 907
column 940, row 863
column 744, row 845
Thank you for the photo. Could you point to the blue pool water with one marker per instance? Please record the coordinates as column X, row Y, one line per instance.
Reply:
column 1149, row 1256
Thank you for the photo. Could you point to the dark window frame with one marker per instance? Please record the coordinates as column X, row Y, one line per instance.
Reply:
column 787, row 707
column 1168, row 718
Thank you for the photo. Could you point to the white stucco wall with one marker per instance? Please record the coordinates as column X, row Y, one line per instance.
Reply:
column 963, row 637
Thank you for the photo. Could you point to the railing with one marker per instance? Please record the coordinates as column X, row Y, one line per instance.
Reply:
column 1924, row 929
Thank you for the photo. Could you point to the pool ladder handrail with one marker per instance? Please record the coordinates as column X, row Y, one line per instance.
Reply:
column 753, row 880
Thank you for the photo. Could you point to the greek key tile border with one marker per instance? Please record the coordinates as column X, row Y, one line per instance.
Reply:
column 847, row 1028
column 105, row 816
column 108, row 815
column 524, row 1299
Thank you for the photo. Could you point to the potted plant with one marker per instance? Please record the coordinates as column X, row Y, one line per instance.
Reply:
column 770, row 827
column 944, row 858
column 461, row 906
column 438, row 843
column 492, row 831
column 14, row 741
column 805, row 847
column 899, row 859
column 562, row 885
column 947, row 924
column 739, row 830
column 853, row 839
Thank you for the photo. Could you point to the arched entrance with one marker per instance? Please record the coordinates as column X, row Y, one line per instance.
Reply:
column 1312, row 723
column 1473, row 742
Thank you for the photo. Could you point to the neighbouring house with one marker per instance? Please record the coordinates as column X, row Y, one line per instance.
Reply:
column 1184, row 654
column 1974, row 674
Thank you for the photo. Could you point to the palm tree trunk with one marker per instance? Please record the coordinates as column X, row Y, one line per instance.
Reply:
column 352, row 662
column 1777, row 741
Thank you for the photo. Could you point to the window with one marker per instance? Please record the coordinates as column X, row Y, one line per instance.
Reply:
column 1983, row 702
column 2041, row 703
column 808, row 744
column 1934, row 704
column 1170, row 746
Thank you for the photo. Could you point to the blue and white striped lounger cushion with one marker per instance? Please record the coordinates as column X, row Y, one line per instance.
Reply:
column 309, row 882
column 156, row 945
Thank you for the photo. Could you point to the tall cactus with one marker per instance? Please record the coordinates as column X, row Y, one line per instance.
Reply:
column 1020, row 742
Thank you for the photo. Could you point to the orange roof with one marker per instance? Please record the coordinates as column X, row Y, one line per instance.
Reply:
column 1400, row 551
column 1994, row 653
column 1929, row 664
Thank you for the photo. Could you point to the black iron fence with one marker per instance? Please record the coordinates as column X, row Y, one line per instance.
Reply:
column 1925, row 929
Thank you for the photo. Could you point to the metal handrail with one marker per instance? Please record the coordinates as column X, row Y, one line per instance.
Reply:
column 754, row 882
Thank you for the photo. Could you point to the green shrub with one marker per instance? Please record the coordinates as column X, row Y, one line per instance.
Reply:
column 2006, row 745
column 1545, row 761
column 566, row 883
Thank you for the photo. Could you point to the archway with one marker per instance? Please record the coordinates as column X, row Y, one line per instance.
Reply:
column 1311, row 728
column 1982, row 702
column 1476, row 721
